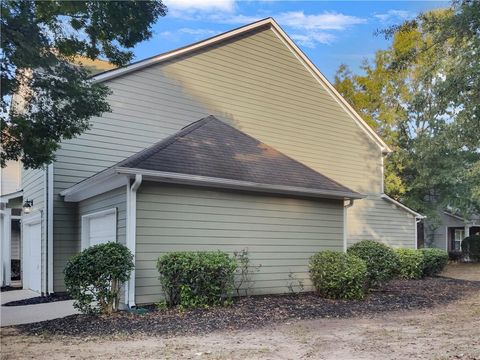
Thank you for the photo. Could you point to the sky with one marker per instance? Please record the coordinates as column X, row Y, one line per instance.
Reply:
column 331, row 33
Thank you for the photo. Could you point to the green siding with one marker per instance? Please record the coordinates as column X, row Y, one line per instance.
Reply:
column 280, row 233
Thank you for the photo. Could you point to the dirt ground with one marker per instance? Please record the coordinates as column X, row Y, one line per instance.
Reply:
column 443, row 332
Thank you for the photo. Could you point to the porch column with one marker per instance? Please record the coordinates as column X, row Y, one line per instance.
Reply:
column 6, row 246
column 467, row 230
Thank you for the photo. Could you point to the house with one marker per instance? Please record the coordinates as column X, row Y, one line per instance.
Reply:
column 451, row 230
column 234, row 142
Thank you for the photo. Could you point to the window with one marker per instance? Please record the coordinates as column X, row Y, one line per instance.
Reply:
column 459, row 234
column 99, row 227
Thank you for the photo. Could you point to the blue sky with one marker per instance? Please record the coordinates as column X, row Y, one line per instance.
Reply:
column 329, row 32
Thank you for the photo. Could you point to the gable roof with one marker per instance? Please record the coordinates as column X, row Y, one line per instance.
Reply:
column 211, row 153
column 229, row 35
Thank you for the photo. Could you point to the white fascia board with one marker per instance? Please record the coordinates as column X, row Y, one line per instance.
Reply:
column 96, row 185
column 240, row 31
column 186, row 179
column 178, row 52
column 5, row 198
column 400, row 205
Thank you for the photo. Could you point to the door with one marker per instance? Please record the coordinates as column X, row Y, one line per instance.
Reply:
column 32, row 250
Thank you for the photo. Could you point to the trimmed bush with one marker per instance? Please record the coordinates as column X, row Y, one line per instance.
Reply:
column 197, row 279
column 411, row 263
column 93, row 278
column 382, row 262
column 471, row 248
column 434, row 261
column 338, row 275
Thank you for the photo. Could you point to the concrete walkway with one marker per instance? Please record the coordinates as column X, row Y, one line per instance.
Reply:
column 26, row 314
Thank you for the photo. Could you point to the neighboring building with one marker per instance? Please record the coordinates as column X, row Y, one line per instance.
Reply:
column 284, row 167
column 450, row 231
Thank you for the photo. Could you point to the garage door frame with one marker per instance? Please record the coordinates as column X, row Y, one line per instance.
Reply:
column 87, row 218
column 28, row 265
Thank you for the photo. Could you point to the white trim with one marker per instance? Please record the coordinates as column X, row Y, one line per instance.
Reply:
column 455, row 216
column 6, row 256
column 400, row 205
column 345, row 224
column 95, row 185
column 132, row 234
column 85, row 221
column 446, row 238
column 5, row 198
column 239, row 31
column 50, row 228
column 177, row 178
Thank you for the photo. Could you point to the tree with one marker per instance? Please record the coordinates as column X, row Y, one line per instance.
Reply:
column 423, row 98
column 45, row 98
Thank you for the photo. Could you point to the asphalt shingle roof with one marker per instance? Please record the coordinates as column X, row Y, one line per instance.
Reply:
column 212, row 148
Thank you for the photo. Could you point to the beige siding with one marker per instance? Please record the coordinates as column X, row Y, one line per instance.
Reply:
column 254, row 83
column 10, row 178
column 378, row 219
column 279, row 233
column 111, row 199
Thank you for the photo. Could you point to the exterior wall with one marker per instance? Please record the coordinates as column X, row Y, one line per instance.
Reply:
column 280, row 233
column 10, row 178
column 436, row 235
column 254, row 83
column 378, row 219
column 112, row 199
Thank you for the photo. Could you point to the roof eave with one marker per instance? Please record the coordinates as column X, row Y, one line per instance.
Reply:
column 187, row 179
column 404, row 207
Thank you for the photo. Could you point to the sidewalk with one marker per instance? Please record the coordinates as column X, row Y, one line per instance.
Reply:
column 15, row 315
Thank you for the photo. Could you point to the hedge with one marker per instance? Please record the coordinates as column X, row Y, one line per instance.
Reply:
column 382, row 262
column 338, row 275
column 434, row 261
column 411, row 263
column 197, row 279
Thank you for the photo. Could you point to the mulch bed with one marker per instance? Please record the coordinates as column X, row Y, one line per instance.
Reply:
column 259, row 311
column 9, row 288
column 39, row 300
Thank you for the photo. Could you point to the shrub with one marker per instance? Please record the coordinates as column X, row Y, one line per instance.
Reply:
column 338, row 275
column 382, row 262
column 434, row 261
column 471, row 248
column 94, row 276
column 197, row 279
column 411, row 263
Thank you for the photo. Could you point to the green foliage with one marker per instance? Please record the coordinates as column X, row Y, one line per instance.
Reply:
column 381, row 260
column 197, row 279
column 422, row 96
column 411, row 263
column 45, row 98
column 338, row 275
column 93, row 277
column 434, row 261
column 244, row 281
column 471, row 248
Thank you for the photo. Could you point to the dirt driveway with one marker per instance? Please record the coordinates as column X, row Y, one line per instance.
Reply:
column 444, row 332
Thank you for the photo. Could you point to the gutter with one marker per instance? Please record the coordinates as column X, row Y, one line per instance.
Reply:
column 132, row 234
column 187, row 179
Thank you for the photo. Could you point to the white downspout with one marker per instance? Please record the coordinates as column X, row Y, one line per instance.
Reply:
column 345, row 227
column 131, row 232
column 49, row 212
column 6, row 246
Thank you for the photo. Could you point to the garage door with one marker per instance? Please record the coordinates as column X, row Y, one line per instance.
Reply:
column 99, row 227
column 32, row 253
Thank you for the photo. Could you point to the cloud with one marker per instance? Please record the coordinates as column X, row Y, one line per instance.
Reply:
column 324, row 21
column 200, row 5
column 395, row 16
column 310, row 39
column 198, row 32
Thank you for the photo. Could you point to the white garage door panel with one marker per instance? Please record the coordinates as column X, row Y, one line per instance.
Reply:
column 32, row 255
column 99, row 228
